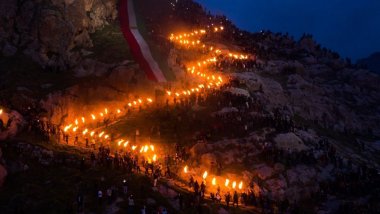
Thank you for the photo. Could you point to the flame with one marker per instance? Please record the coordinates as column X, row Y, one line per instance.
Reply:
column 204, row 175
column 101, row 134
column 149, row 100
column 92, row 133
column 152, row 148
column 67, row 128
column 118, row 111
column 83, row 120
column 154, row 157
column 76, row 121
column 126, row 144
column 106, row 110
column 213, row 181
column 85, row 132
column 101, row 114
column 134, row 147
column 106, row 137
column 186, row 169
column 234, row 184
column 241, row 185
column 142, row 149
column 146, row 148
column 93, row 116
column 119, row 143
column 75, row 128
column 227, row 182
column 1, row 111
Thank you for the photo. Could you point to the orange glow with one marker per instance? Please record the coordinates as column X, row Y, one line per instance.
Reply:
column 67, row 128
column 204, row 175
column 226, row 183
column 234, row 184
column 154, row 157
column 85, row 132
column 213, row 181
column 119, row 143
column 83, row 120
column 186, row 169
column 126, row 144
column 93, row 116
column 101, row 134
column 241, row 185
column 134, row 147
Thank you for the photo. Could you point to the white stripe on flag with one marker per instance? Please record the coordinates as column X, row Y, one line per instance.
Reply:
column 132, row 15
column 148, row 56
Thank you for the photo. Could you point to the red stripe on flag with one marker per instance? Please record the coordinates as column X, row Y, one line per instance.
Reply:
column 134, row 45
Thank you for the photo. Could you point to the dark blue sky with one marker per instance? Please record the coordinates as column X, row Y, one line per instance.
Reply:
column 350, row 27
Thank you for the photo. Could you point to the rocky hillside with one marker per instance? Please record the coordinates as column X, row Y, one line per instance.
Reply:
column 372, row 62
column 54, row 33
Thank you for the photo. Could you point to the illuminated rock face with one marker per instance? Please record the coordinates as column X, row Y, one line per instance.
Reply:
column 54, row 32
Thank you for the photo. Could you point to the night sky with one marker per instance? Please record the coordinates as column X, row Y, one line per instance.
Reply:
column 350, row 27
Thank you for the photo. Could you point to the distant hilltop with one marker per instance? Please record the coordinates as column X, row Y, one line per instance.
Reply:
column 372, row 62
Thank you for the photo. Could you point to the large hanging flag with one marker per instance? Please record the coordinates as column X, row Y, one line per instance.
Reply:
column 138, row 45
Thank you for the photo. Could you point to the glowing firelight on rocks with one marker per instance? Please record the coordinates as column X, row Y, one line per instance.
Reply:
column 204, row 175
column 227, row 182
column 186, row 169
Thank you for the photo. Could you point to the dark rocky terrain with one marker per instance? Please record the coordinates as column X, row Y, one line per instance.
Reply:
column 56, row 56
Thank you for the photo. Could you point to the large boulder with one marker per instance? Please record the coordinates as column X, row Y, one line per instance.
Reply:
column 52, row 32
column 289, row 141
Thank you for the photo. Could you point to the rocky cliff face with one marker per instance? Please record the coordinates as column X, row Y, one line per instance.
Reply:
column 52, row 32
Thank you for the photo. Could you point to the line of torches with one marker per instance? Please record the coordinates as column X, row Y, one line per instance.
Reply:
column 227, row 182
column 213, row 81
